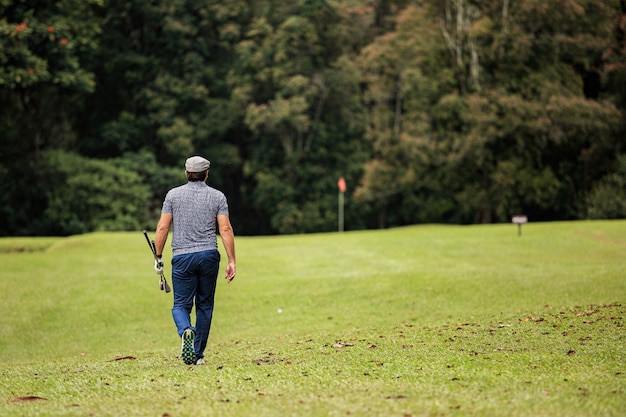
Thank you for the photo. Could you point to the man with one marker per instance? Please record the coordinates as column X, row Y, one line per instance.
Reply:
column 196, row 212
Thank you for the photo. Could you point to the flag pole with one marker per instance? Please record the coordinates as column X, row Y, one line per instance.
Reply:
column 340, row 215
column 341, row 184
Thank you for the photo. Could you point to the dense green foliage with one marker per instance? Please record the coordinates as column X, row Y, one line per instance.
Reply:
column 453, row 111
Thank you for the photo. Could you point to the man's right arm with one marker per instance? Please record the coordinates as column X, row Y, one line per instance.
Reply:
column 163, row 228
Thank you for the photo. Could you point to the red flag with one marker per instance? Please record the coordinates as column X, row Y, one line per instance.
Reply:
column 341, row 184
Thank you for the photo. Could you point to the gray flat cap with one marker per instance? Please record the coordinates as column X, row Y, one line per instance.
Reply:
column 197, row 164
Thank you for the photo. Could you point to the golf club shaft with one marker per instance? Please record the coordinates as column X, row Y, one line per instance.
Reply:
column 165, row 285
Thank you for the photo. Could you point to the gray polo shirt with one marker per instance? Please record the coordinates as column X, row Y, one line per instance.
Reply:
column 194, row 207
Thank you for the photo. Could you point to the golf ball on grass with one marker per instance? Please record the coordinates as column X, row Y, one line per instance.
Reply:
column 279, row 311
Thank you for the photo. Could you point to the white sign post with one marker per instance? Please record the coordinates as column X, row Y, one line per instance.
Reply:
column 519, row 220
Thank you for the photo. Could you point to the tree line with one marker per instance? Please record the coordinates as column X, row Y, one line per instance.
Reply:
column 446, row 111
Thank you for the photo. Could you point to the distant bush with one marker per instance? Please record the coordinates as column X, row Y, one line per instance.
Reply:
column 84, row 195
column 607, row 199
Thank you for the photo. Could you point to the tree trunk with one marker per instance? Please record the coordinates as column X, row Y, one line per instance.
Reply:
column 382, row 216
column 397, row 124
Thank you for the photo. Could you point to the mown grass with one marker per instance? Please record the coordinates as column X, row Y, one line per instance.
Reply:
column 425, row 320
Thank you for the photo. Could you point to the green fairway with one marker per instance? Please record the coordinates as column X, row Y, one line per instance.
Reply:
column 417, row 321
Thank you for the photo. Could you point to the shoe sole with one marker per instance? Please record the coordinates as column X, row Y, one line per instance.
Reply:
column 187, row 352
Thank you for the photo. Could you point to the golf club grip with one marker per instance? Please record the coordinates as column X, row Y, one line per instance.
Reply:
column 149, row 244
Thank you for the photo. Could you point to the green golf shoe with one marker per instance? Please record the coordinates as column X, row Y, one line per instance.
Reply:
column 186, row 351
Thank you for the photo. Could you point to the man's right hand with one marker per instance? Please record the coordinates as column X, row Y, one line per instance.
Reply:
column 158, row 266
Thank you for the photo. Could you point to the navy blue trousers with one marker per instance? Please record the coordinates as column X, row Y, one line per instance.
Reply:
column 194, row 277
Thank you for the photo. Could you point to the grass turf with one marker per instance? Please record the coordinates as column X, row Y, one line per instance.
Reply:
column 425, row 320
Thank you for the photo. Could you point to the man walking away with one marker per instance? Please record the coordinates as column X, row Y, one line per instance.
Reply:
column 196, row 211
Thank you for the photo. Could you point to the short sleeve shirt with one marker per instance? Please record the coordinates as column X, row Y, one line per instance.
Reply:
column 194, row 208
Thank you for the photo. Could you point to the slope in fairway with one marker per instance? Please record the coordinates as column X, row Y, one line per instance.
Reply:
column 98, row 292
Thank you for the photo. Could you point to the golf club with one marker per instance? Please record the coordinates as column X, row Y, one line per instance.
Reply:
column 162, row 281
